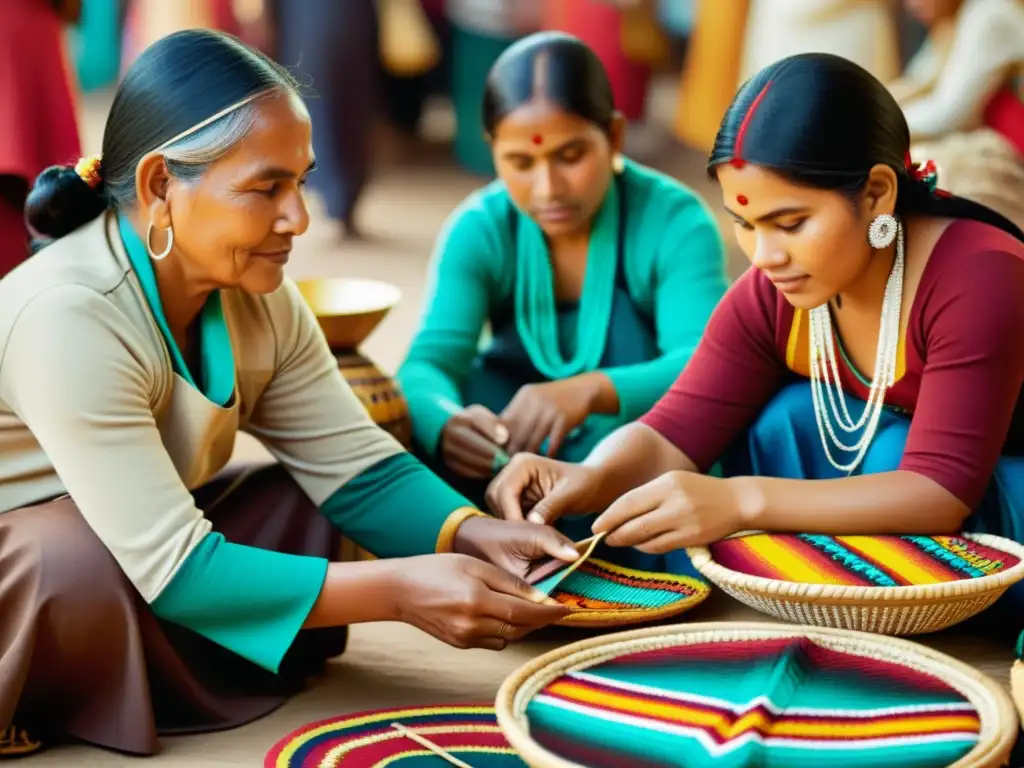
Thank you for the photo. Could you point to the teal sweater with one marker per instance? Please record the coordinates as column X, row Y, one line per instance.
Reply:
column 674, row 261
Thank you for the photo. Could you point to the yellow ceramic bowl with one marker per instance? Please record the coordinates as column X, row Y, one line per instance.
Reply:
column 349, row 309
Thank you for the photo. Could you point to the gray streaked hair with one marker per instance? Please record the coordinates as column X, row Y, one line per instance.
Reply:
column 188, row 158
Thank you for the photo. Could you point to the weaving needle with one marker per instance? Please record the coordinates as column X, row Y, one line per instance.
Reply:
column 430, row 745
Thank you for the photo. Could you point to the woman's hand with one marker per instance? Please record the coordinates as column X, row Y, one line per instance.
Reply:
column 545, row 488
column 512, row 546
column 550, row 411
column 471, row 440
column 678, row 509
column 468, row 603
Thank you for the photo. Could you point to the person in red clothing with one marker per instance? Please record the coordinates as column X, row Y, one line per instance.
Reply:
column 38, row 126
column 863, row 378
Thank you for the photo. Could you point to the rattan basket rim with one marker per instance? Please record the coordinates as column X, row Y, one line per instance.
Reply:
column 613, row 618
column 804, row 592
column 996, row 711
column 1017, row 686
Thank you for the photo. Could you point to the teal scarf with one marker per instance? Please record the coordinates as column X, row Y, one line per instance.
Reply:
column 536, row 310
column 217, row 358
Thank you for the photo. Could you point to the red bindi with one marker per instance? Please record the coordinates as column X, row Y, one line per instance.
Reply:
column 742, row 199
column 737, row 162
column 538, row 139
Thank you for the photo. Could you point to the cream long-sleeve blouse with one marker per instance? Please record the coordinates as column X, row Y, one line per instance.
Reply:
column 91, row 406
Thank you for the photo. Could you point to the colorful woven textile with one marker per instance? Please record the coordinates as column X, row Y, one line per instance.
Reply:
column 869, row 561
column 469, row 733
column 786, row 702
column 597, row 585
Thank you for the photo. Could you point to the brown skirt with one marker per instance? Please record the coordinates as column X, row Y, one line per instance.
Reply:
column 83, row 658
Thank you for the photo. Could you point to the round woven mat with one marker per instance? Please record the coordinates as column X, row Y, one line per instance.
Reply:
column 730, row 694
column 467, row 732
column 602, row 594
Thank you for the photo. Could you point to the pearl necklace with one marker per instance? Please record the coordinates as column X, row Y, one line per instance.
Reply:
column 825, row 381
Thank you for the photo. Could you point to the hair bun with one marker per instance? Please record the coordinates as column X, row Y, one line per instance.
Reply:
column 60, row 202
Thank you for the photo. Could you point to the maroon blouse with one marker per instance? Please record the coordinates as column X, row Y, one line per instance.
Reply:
column 959, row 369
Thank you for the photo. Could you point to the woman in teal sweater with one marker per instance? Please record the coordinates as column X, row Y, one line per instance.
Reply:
column 594, row 276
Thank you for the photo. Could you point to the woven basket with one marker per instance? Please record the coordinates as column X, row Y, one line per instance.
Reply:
column 688, row 593
column 998, row 720
column 903, row 610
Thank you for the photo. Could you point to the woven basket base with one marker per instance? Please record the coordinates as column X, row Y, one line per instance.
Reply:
column 877, row 617
column 999, row 719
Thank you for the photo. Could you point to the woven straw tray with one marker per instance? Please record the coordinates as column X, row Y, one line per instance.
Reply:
column 899, row 610
column 995, row 728
column 604, row 595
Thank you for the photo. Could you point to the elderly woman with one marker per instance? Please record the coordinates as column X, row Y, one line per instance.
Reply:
column 37, row 110
column 139, row 591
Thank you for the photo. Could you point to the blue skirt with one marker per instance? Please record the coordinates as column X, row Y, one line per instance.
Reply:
column 784, row 442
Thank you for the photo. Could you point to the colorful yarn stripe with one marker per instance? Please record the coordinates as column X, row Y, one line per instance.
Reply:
column 598, row 585
column 468, row 732
column 872, row 561
column 749, row 702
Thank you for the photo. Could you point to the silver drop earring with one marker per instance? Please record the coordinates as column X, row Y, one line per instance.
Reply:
column 882, row 231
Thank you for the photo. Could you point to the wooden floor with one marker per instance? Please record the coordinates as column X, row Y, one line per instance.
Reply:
column 388, row 664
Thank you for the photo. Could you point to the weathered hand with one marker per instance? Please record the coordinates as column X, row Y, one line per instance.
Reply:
column 544, row 488
column 512, row 546
column 469, row 603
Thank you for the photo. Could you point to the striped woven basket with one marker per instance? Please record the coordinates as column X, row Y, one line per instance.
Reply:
column 891, row 585
column 753, row 694
column 603, row 594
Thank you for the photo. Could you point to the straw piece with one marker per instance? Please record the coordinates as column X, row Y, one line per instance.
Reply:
column 423, row 742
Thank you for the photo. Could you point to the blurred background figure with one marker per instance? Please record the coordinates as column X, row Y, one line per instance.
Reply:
column 481, row 31
column 625, row 35
column 415, row 46
column 95, row 44
column 38, row 125
column 863, row 31
column 963, row 96
column 711, row 71
column 331, row 46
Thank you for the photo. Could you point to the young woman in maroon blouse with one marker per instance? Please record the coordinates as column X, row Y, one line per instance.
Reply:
column 881, row 315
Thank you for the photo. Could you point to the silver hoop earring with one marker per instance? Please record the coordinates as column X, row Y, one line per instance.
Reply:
column 882, row 231
column 170, row 242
